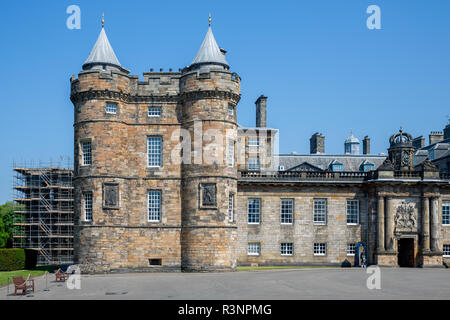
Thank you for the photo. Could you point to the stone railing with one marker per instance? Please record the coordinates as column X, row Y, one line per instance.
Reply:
column 334, row 176
column 303, row 175
column 444, row 175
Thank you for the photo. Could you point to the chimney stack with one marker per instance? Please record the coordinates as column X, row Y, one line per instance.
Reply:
column 261, row 109
column 366, row 145
column 418, row 143
column 317, row 144
column 447, row 132
column 436, row 137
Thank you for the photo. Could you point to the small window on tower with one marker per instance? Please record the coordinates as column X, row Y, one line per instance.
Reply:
column 111, row 108
column 154, row 112
column 230, row 110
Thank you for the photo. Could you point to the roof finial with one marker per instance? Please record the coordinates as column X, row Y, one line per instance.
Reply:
column 209, row 20
column 103, row 20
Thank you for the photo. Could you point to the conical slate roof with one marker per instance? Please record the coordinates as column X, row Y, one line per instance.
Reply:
column 102, row 53
column 209, row 51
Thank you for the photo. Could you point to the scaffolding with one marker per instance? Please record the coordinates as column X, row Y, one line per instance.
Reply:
column 43, row 217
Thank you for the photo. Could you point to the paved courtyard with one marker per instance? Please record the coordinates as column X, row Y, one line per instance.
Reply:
column 321, row 283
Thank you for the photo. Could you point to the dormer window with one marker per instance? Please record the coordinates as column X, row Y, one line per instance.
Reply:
column 368, row 167
column 431, row 154
column 337, row 167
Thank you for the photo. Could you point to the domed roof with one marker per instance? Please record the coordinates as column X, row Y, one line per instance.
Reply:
column 401, row 139
column 352, row 139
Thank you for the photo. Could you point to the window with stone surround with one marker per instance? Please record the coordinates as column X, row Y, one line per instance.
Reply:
column 446, row 213
column 446, row 250
column 231, row 207
column 154, row 206
column 287, row 211
column 254, row 211
column 351, row 249
column 230, row 154
column 320, row 211
column 253, row 142
column 154, row 151
column 154, row 112
column 320, row 249
column 254, row 249
column 352, row 212
column 230, row 110
column 111, row 108
column 253, row 164
column 86, row 153
column 287, row 249
column 87, row 206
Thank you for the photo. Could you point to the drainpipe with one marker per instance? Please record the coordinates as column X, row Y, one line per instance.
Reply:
column 367, row 227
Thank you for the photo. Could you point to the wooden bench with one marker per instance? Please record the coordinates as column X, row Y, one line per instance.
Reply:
column 21, row 284
column 61, row 276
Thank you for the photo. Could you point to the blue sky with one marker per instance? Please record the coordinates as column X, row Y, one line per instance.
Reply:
column 320, row 66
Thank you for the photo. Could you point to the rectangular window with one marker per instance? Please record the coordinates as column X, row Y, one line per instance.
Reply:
column 446, row 250
column 230, row 154
column 320, row 211
column 154, row 206
column 231, row 207
column 230, row 110
column 154, row 151
column 111, row 108
column 254, row 249
column 154, row 112
column 287, row 211
column 253, row 142
column 320, row 249
column 86, row 153
column 87, row 197
column 253, row 164
column 254, row 211
column 287, row 249
column 352, row 211
column 351, row 249
column 337, row 167
column 446, row 213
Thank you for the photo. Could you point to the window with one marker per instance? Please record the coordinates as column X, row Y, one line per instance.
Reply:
column 253, row 142
column 320, row 249
column 446, row 213
column 154, row 112
column 86, row 152
column 337, row 167
column 431, row 154
column 231, row 207
column 230, row 110
column 111, row 108
column 446, row 250
column 352, row 211
column 368, row 167
column 154, row 206
column 230, row 154
column 87, row 197
column 320, row 211
column 154, row 151
column 254, row 211
column 287, row 249
column 351, row 249
column 254, row 249
column 287, row 211
column 280, row 168
column 253, row 164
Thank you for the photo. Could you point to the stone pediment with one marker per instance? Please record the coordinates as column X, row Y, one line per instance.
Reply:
column 305, row 166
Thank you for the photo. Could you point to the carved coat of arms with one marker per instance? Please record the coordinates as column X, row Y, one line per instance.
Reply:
column 405, row 218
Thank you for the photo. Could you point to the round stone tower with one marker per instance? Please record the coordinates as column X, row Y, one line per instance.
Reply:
column 209, row 93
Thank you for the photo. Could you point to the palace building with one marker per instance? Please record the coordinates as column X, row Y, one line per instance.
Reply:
column 165, row 179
